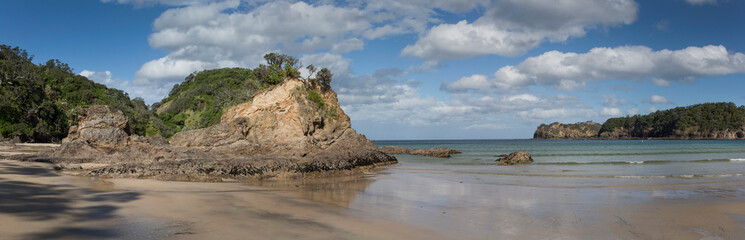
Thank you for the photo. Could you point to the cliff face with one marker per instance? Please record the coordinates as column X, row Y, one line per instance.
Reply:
column 289, row 119
column 557, row 130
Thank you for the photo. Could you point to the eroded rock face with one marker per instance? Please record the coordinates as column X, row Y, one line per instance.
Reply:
column 100, row 126
column 440, row 152
column 516, row 158
column 282, row 132
column 280, row 120
column 584, row 130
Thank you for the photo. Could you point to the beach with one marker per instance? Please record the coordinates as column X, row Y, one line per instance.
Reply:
column 419, row 198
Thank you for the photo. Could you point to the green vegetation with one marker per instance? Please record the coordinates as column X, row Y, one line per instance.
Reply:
column 200, row 100
column 38, row 102
column 701, row 118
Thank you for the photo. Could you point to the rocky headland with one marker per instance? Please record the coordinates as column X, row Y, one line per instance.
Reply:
column 700, row 121
column 439, row 152
column 584, row 130
column 295, row 128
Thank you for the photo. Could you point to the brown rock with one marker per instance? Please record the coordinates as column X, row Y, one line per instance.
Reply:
column 582, row 130
column 440, row 152
column 279, row 133
column 100, row 126
column 516, row 158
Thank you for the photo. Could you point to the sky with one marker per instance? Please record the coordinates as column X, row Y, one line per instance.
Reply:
column 418, row 69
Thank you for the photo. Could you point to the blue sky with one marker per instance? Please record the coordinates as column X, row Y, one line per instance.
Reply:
column 421, row 69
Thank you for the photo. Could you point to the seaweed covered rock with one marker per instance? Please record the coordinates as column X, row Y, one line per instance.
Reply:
column 520, row 157
column 440, row 152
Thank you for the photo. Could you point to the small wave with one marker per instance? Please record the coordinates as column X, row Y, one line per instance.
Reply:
column 737, row 160
column 638, row 162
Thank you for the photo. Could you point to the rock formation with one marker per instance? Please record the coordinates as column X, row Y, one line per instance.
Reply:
column 289, row 129
column 585, row 130
column 99, row 126
column 516, row 158
column 440, row 152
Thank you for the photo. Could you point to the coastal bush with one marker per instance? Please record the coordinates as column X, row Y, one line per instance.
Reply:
column 704, row 118
column 38, row 102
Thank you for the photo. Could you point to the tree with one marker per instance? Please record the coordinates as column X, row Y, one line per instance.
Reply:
column 324, row 76
column 311, row 70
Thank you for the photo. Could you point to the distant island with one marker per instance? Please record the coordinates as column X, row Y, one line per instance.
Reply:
column 723, row 120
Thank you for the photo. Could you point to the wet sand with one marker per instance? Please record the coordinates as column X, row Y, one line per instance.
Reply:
column 38, row 203
column 404, row 201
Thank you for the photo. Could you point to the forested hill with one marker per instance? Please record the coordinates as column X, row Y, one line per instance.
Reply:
column 700, row 121
column 38, row 102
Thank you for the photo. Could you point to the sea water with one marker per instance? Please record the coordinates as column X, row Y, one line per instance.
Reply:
column 575, row 189
column 653, row 159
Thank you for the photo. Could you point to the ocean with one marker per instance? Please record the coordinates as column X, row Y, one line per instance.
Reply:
column 577, row 189
column 643, row 159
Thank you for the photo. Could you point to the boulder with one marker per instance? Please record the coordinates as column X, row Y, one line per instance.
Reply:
column 99, row 126
column 520, row 157
column 440, row 152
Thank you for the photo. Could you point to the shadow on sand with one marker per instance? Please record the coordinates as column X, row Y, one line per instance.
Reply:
column 34, row 198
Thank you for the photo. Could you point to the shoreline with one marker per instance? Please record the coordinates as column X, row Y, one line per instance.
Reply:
column 39, row 203
column 416, row 199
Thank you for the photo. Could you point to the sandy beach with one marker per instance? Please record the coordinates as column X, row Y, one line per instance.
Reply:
column 403, row 201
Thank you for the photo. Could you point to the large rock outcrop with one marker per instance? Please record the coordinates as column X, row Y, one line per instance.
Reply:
column 99, row 126
column 585, row 130
column 291, row 129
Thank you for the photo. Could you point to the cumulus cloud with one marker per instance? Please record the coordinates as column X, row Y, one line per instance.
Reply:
column 568, row 71
column 656, row 99
column 511, row 27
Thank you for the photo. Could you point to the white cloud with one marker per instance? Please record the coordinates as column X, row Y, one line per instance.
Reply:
column 473, row 82
column 348, row 45
column 612, row 101
column 656, row 99
column 504, row 31
column 99, row 77
column 632, row 111
column 701, row 2
column 568, row 71
column 489, row 126
column 651, row 109
column 611, row 112
column 557, row 113
column 661, row 82
column 148, row 3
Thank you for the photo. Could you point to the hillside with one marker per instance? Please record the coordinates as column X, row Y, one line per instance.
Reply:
column 39, row 102
column 700, row 121
column 582, row 130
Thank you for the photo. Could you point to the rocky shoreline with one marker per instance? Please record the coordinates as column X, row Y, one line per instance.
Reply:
column 281, row 133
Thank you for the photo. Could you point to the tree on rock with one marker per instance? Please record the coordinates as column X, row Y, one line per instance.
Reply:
column 324, row 77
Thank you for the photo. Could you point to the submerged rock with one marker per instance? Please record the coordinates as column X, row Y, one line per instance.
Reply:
column 440, row 152
column 516, row 158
